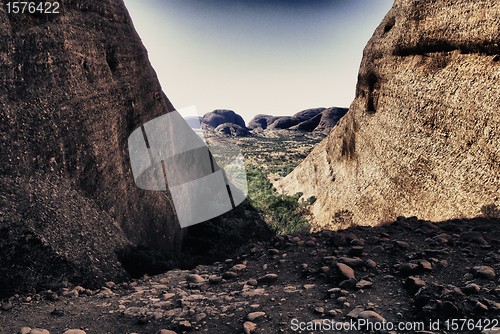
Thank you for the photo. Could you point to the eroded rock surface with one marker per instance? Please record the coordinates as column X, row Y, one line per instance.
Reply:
column 422, row 137
column 73, row 86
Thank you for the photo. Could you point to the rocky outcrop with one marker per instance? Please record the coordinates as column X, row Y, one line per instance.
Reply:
column 422, row 136
column 262, row 121
column 231, row 129
column 286, row 122
column 329, row 118
column 217, row 117
column 316, row 119
column 73, row 86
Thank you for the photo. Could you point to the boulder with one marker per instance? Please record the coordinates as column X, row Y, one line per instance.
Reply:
column 217, row 117
column 421, row 137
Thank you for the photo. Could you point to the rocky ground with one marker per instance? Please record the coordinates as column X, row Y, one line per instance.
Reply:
column 404, row 273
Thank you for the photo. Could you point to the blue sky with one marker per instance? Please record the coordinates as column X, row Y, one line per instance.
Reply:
column 257, row 56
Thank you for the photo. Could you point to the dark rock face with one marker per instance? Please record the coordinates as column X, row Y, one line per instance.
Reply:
column 316, row 119
column 231, row 129
column 421, row 137
column 262, row 121
column 72, row 88
column 329, row 118
column 289, row 121
column 217, row 117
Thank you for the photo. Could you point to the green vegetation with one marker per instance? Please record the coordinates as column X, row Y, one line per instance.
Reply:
column 283, row 213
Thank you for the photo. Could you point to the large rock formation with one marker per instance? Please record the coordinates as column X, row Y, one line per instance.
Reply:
column 422, row 137
column 315, row 119
column 329, row 118
column 73, row 86
column 217, row 117
column 262, row 121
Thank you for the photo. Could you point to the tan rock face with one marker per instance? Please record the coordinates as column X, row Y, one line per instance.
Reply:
column 73, row 86
column 422, row 137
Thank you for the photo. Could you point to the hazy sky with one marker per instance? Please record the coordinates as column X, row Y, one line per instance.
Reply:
column 257, row 56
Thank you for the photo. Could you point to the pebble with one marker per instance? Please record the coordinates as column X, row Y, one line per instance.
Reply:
column 269, row 278
column 484, row 272
column 229, row 275
column 214, row 279
column 345, row 271
column 254, row 315
column 371, row 316
column 165, row 331
column 195, row 278
column 249, row 327
column 74, row 331
column 38, row 331
column 363, row 284
column 352, row 262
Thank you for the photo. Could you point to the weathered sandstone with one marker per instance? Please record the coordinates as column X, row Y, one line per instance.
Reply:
column 422, row 137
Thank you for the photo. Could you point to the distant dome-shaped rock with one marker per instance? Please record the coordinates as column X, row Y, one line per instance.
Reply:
column 261, row 121
column 231, row 129
column 217, row 117
column 329, row 118
column 422, row 136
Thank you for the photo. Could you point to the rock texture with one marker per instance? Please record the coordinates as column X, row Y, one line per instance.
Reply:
column 274, row 283
column 422, row 137
column 262, row 121
column 73, row 86
column 231, row 129
column 218, row 117
column 316, row 119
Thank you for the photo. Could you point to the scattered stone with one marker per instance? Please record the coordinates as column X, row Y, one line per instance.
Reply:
column 471, row 289
column 484, row 272
column 165, row 331
column 363, row 284
column 310, row 243
column 355, row 312
column 345, row 271
column 371, row 316
column 74, row 331
column 356, row 250
column 249, row 327
column 370, row 264
column 348, row 284
column 229, row 275
column 424, row 265
column 352, row 262
column 309, row 286
column 195, row 278
column 273, row 251
column 238, row 267
column 214, row 279
column 269, row 278
column 38, row 331
column 319, row 310
column 414, row 283
column 252, row 282
column 407, row 269
column 254, row 315
column 402, row 244
column 185, row 325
